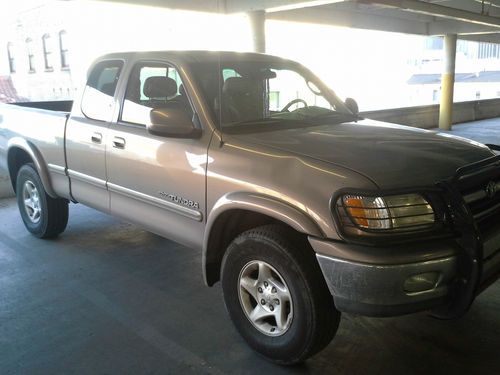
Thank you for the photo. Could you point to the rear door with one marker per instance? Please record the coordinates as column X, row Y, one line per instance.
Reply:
column 86, row 135
column 154, row 181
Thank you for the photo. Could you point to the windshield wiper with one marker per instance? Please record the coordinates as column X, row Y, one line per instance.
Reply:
column 334, row 115
column 258, row 121
column 263, row 124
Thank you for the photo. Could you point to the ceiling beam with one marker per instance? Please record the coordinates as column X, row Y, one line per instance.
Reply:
column 358, row 20
column 487, row 38
column 437, row 10
column 230, row 6
column 446, row 26
column 301, row 5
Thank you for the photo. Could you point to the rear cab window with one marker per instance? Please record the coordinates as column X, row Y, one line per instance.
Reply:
column 97, row 100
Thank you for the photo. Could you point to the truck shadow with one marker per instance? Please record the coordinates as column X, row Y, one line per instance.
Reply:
column 167, row 276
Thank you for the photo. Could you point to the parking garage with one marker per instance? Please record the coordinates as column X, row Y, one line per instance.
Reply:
column 109, row 296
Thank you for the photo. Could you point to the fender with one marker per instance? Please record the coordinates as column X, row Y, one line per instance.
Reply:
column 263, row 204
column 36, row 156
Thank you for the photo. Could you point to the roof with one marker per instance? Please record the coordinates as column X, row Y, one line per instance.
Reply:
column 193, row 56
column 8, row 93
column 429, row 79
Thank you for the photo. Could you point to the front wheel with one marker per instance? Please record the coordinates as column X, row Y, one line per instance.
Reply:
column 276, row 295
column 43, row 216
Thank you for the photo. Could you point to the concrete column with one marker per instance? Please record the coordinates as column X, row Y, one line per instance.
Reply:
column 257, row 23
column 448, row 82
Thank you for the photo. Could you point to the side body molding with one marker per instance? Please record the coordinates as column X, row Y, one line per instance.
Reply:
column 261, row 204
column 38, row 161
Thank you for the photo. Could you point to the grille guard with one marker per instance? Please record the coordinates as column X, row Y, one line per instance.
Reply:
column 470, row 259
column 493, row 147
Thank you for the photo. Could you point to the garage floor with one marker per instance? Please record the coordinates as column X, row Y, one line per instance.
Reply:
column 110, row 298
column 484, row 131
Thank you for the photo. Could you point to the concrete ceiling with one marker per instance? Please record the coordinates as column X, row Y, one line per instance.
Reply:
column 471, row 19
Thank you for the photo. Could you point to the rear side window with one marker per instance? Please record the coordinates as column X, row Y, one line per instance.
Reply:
column 152, row 86
column 97, row 101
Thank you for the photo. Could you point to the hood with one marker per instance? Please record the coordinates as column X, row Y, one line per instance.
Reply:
column 392, row 156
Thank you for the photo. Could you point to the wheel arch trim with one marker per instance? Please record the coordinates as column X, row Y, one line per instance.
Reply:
column 38, row 161
column 260, row 204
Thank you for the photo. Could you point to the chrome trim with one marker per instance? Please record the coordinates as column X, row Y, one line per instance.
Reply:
column 489, row 191
column 178, row 209
column 86, row 178
column 491, row 245
column 57, row 169
column 475, row 196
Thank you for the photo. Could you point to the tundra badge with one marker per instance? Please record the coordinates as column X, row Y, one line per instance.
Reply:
column 180, row 200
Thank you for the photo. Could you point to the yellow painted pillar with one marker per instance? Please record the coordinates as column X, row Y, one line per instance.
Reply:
column 448, row 82
column 258, row 22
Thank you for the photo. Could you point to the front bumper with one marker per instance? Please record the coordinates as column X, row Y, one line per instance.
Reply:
column 390, row 281
column 394, row 280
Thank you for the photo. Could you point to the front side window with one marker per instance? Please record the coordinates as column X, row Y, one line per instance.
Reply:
column 10, row 55
column 63, row 49
column 31, row 56
column 266, row 93
column 97, row 101
column 152, row 86
column 47, row 52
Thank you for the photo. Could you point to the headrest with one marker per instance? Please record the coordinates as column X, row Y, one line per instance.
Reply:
column 238, row 86
column 159, row 87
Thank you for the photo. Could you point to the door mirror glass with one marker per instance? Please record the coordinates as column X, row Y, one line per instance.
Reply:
column 351, row 105
column 172, row 122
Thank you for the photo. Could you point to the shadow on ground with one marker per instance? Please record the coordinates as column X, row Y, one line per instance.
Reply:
column 110, row 298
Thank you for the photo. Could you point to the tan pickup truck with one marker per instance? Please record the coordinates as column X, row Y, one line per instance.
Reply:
column 301, row 208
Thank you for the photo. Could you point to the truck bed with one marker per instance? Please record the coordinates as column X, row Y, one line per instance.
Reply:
column 39, row 126
column 54, row 105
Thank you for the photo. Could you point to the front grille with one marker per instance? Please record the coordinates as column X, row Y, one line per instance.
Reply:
column 482, row 202
column 480, row 189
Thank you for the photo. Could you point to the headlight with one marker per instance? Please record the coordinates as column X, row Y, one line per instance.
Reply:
column 394, row 213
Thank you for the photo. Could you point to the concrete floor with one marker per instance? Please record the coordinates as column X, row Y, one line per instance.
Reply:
column 484, row 131
column 110, row 298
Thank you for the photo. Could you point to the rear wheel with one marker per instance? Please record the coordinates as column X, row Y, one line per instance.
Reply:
column 43, row 216
column 276, row 295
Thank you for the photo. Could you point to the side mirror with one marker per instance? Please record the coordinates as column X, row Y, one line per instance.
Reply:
column 351, row 105
column 172, row 122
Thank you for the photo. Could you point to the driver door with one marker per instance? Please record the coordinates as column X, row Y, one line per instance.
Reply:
column 154, row 181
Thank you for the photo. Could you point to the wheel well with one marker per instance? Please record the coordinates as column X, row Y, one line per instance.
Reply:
column 226, row 228
column 15, row 160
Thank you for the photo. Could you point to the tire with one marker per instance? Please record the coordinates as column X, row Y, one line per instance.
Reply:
column 43, row 216
column 309, row 319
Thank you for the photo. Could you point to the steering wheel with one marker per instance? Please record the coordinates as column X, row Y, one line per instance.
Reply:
column 294, row 101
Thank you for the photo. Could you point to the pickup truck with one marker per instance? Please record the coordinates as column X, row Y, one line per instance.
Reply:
column 300, row 207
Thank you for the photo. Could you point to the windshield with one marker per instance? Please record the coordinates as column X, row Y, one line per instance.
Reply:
column 246, row 95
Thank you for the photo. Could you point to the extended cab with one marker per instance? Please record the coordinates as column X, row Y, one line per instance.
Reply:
column 300, row 207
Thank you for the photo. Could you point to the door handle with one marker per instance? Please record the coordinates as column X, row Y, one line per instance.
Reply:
column 97, row 137
column 118, row 142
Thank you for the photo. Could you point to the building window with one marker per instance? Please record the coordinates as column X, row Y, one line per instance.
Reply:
column 435, row 97
column 10, row 54
column 47, row 52
column 63, row 49
column 31, row 55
